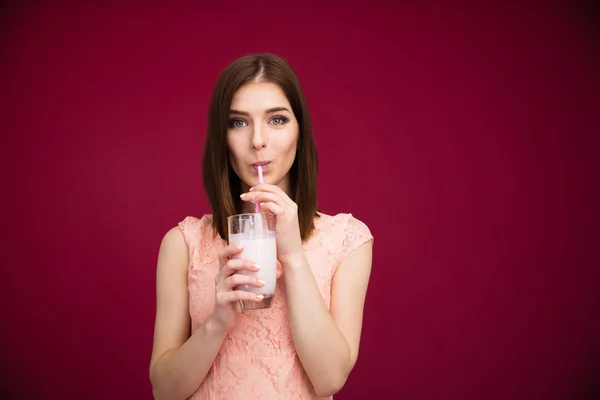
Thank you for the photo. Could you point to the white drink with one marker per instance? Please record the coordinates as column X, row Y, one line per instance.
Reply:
column 259, row 247
column 255, row 233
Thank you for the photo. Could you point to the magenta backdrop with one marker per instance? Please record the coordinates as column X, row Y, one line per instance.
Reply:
column 463, row 136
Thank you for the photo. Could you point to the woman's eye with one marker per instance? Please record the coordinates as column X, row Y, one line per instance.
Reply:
column 278, row 120
column 237, row 123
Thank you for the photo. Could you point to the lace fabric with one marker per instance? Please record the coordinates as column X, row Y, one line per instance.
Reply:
column 257, row 359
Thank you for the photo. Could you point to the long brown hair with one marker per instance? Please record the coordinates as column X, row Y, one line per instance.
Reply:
column 221, row 183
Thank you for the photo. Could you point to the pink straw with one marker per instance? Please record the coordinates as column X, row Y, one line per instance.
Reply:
column 260, row 179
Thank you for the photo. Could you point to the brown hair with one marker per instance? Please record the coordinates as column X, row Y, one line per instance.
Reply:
column 221, row 183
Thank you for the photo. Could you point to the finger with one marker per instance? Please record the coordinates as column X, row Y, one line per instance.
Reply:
column 240, row 279
column 227, row 252
column 279, row 270
column 231, row 266
column 273, row 208
column 262, row 197
column 265, row 187
column 226, row 298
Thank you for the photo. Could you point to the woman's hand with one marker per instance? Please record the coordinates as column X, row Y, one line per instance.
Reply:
column 287, row 229
column 226, row 298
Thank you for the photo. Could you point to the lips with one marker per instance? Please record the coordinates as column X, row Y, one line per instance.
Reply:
column 263, row 164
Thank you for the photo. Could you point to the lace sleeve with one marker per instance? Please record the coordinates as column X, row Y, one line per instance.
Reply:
column 355, row 234
column 190, row 228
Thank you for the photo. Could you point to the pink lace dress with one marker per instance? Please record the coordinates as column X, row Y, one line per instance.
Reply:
column 257, row 359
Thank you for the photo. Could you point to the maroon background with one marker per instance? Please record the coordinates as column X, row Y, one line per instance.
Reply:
column 463, row 136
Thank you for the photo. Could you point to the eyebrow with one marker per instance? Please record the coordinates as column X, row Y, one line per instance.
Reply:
column 270, row 110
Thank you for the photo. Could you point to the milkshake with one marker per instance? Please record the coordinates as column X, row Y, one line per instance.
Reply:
column 253, row 233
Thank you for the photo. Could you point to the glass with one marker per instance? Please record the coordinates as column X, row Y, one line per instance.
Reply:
column 255, row 232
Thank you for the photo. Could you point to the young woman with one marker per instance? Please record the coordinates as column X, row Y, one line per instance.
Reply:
column 306, row 344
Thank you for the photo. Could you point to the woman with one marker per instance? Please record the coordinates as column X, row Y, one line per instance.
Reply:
column 306, row 344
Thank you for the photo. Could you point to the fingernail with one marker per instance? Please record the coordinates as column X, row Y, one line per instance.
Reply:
column 260, row 281
column 251, row 189
column 256, row 266
column 260, row 296
column 237, row 246
column 243, row 195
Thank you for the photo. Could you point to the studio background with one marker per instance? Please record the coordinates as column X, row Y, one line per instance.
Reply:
column 464, row 136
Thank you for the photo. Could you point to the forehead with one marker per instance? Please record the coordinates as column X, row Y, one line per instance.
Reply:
column 258, row 96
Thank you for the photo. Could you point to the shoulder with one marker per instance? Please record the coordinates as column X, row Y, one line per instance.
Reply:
column 191, row 221
column 344, row 222
column 173, row 247
column 192, row 227
column 345, row 233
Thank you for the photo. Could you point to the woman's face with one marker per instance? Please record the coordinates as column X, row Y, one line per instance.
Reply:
column 262, row 130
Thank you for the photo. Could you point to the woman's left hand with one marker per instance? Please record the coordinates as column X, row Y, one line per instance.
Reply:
column 287, row 229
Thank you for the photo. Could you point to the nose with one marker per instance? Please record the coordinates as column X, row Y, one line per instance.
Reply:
column 259, row 139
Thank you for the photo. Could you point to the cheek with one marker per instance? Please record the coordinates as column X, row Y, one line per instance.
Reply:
column 233, row 154
column 294, row 144
column 291, row 138
column 234, row 148
column 290, row 149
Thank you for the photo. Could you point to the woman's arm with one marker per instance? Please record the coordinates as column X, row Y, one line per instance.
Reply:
column 179, row 362
column 327, row 342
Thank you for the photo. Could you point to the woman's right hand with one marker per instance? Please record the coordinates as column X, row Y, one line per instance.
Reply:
column 226, row 298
